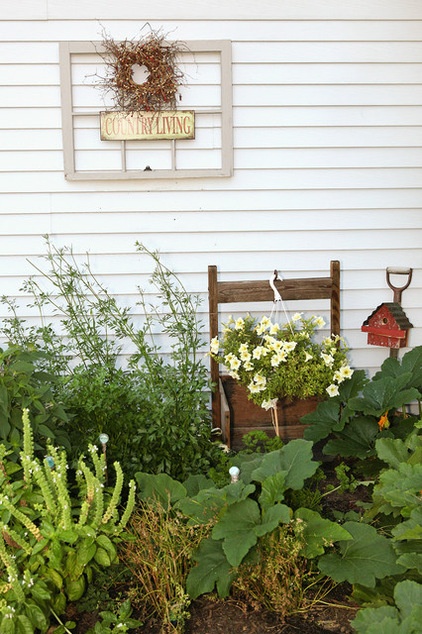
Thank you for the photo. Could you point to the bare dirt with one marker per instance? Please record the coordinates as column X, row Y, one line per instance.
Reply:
column 215, row 616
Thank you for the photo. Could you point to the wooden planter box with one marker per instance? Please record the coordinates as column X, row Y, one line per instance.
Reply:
column 243, row 416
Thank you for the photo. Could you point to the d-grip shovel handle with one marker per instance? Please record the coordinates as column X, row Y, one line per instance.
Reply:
column 398, row 290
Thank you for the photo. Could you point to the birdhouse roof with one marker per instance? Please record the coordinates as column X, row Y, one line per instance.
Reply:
column 396, row 312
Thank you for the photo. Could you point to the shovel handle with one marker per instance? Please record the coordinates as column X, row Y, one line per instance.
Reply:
column 391, row 270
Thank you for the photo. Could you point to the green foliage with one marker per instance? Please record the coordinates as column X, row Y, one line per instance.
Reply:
column 115, row 621
column 242, row 513
column 52, row 543
column 258, row 441
column 363, row 559
column 404, row 618
column 24, row 383
column 155, row 409
column 368, row 410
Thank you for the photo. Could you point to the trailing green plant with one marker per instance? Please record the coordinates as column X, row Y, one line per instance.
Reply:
column 365, row 410
column 51, row 543
column 154, row 409
column 24, row 383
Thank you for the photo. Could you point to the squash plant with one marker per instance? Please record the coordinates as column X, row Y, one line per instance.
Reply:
column 366, row 410
column 243, row 512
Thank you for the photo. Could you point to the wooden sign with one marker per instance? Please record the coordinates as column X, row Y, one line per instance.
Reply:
column 145, row 125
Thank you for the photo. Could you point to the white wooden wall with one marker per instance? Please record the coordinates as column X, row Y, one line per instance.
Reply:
column 327, row 125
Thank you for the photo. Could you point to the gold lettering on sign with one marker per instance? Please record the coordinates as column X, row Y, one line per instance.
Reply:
column 143, row 126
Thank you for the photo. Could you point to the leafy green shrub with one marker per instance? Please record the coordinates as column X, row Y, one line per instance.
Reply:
column 25, row 384
column 366, row 410
column 155, row 409
column 51, row 543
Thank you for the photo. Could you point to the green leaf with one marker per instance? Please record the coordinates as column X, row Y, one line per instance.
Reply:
column 106, row 543
column 383, row 395
column 102, row 557
column 272, row 518
column 411, row 528
column 365, row 558
column 85, row 552
column 401, row 487
column 197, row 482
column 212, row 570
column 23, row 625
column 319, row 532
column 357, row 439
column 75, row 589
column 294, row 458
column 236, row 529
column 376, row 620
column 408, row 595
column 393, row 451
column 272, row 490
column 412, row 362
column 161, row 487
column 322, row 421
column 36, row 617
column 7, row 626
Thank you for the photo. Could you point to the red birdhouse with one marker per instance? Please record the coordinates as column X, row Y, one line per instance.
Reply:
column 387, row 326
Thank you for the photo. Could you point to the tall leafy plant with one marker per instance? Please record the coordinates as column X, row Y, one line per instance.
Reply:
column 155, row 410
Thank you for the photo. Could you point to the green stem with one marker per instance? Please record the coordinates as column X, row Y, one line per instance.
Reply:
column 56, row 616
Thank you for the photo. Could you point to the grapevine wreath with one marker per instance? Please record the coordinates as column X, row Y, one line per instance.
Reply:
column 159, row 91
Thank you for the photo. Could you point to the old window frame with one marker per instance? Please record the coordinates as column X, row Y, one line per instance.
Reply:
column 223, row 47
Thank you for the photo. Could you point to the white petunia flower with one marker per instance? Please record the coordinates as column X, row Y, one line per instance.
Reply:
column 214, row 345
column 332, row 390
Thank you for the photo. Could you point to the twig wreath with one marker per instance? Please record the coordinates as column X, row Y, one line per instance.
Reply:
column 159, row 57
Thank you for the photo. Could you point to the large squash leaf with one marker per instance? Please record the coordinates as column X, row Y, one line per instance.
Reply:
column 212, row 570
column 365, row 558
column 319, row 532
column 385, row 394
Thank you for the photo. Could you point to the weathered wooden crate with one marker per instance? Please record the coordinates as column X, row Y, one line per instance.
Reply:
column 232, row 411
column 244, row 416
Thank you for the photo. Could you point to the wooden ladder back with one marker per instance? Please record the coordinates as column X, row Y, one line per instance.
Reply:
column 260, row 291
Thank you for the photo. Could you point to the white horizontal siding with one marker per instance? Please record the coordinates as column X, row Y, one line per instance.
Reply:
column 327, row 132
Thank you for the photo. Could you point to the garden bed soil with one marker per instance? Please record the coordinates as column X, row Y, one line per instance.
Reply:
column 215, row 616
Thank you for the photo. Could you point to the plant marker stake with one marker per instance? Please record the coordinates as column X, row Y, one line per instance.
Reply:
column 103, row 438
column 234, row 474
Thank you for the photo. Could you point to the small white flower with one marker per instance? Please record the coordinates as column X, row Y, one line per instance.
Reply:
column 332, row 390
column 269, row 404
column 297, row 316
column 308, row 356
column 214, row 345
column 289, row 346
column 239, row 324
column 263, row 325
column 319, row 322
column 346, row 371
column 328, row 359
column 259, row 351
column 274, row 329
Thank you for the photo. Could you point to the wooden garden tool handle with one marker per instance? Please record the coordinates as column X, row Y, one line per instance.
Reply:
column 398, row 290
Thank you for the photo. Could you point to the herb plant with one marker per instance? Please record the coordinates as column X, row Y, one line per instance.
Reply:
column 52, row 543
